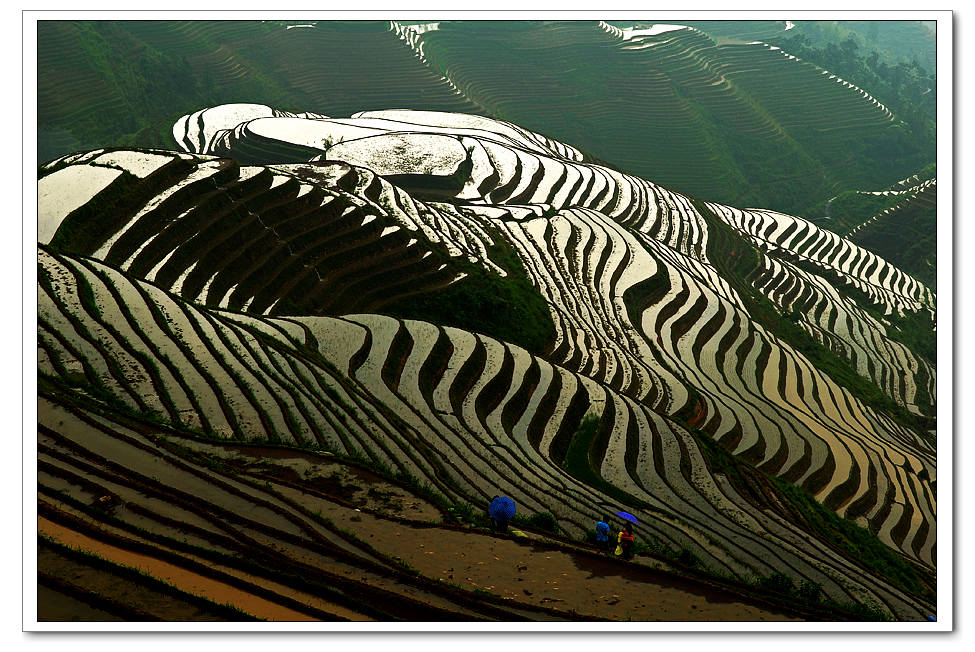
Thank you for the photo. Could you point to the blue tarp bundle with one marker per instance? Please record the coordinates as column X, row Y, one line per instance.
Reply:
column 502, row 508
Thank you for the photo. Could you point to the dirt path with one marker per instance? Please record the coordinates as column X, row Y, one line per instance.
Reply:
column 528, row 572
column 520, row 570
column 532, row 573
column 576, row 582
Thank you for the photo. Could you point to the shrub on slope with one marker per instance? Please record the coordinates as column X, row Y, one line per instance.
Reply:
column 509, row 308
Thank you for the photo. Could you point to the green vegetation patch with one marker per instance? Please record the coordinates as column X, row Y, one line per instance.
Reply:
column 539, row 521
column 858, row 543
column 143, row 75
column 579, row 463
column 510, row 309
column 852, row 208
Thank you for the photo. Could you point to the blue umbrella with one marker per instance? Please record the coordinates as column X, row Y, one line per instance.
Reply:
column 626, row 516
column 502, row 508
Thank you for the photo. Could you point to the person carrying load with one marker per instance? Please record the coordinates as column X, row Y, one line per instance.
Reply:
column 624, row 541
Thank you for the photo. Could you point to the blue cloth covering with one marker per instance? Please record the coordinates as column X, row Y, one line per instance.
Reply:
column 602, row 531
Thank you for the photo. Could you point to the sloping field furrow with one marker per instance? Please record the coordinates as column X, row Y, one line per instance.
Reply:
column 715, row 508
column 444, row 421
column 699, row 362
column 250, row 145
column 212, row 231
column 223, row 64
column 339, row 61
column 440, row 223
column 162, row 257
column 195, row 132
column 492, row 165
column 83, row 182
column 686, row 55
column 668, row 353
column 671, row 319
column 740, row 30
column 471, row 419
column 595, row 318
column 747, row 396
column 460, row 124
column 845, row 328
column 188, row 38
column 811, row 465
column 251, row 425
column 317, row 568
column 215, row 519
column 822, row 448
column 108, row 290
column 139, row 223
column 371, row 371
column 893, row 290
column 609, row 314
column 63, row 71
column 297, row 579
column 70, row 189
column 67, row 325
column 762, row 69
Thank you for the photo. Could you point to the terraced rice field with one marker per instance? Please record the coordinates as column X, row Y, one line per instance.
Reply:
column 466, row 444
column 705, row 107
column 906, row 233
column 735, row 83
column 246, row 302
column 161, row 68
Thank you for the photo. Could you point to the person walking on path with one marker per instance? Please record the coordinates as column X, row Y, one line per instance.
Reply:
column 501, row 509
column 602, row 536
column 625, row 541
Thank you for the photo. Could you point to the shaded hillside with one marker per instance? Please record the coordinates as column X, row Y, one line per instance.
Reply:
column 734, row 31
column 734, row 121
column 899, row 222
column 733, row 377
column 740, row 124
column 906, row 232
column 103, row 83
column 897, row 41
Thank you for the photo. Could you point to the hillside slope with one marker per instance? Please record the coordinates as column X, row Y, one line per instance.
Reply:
column 906, row 232
column 701, row 361
column 732, row 121
column 348, row 543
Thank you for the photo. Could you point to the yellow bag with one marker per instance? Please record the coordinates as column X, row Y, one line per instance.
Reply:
column 619, row 551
